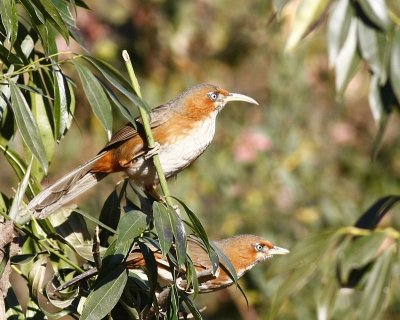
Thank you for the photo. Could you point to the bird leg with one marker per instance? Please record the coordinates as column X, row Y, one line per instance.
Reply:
column 152, row 151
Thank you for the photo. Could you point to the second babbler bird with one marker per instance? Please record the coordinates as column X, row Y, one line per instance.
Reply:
column 183, row 128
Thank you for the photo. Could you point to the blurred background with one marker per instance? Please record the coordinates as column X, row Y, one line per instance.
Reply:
column 298, row 163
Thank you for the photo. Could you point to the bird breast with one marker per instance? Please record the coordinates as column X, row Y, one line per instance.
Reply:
column 175, row 153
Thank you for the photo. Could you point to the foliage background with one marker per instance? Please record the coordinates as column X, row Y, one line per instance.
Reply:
column 298, row 164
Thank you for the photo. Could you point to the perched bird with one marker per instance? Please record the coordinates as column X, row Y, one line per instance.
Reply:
column 243, row 251
column 183, row 128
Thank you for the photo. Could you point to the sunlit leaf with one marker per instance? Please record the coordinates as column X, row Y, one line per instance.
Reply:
column 131, row 225
column 307, row 13
column 372, row 47
column 9, row 17
column 33, row 311
column 96, row 96
column 347, row 60
column 61, row 114
column 395, row 63
column 164, row 226
column 19, row 167
column 52, row 12
column 338, row 26
column 27, row 125
column 16, row 211
column 377, row 12
column 375, row 292
column 105, row 294
column 37, row 275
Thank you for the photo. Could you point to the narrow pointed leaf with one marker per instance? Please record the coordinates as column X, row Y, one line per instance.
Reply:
column 347, row 60
column 118, row 81
column 52, row 12
column 105, row 294
column 372, row 46
column 131, row 225
column 377, row 12
column 164, row 226
column 179, row 235
column 376, row 292
column 15, row 210
column 192, row 308
column 61, row 114
column 359, row 252
column 9, row 17
column 307, row 13
column 27, row 125
column 96, row 97
column 338, row 26
column 395, row 64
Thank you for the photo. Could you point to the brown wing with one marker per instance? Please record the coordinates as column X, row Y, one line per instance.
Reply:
column 198, row 253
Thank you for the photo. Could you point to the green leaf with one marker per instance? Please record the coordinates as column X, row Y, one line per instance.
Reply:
column 45, row 130
column 376, row 291
column 73, row 229
column 9, row 17
column 201, row 232
column 164, row 226
column 192, row 308
column 375, row 99
column 118, row 81
column 377, row 12
column 372, row 45
column 96, row 97
column 395, row 64
column 307, row 13
column 347, row 60
column 172, row 305
column 61, row 114
column 179, row 235
column 105, row 294
column 51, row 11
column 131, row 225
column 338, row 27
column 33, row 311
column 16, row 212
column 301, row 265
column 226, row 263
column 19, row 167
column 37, row 275
column 327, row 296
column 359, row 252
column 27, row 125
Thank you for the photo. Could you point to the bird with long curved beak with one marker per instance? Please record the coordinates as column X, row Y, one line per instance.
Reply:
column 182, row 128
column 244, row 252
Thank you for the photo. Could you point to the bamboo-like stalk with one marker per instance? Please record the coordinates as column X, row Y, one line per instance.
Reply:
column 147, row 128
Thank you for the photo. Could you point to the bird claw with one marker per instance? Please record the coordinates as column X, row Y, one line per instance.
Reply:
column 152, row 151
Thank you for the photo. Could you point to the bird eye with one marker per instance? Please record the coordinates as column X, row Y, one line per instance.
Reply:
column 259, row 247
column 213, row 96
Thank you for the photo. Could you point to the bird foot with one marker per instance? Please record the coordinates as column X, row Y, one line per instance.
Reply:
column 151, row 152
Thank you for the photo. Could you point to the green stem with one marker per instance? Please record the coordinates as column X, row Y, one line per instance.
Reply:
column 146, row 124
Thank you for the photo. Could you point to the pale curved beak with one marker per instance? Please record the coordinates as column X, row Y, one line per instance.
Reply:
column 277, row 250
column 240, row 97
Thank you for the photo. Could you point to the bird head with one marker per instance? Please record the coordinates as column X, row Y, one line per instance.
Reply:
column 246, row 251
column 204, row 99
